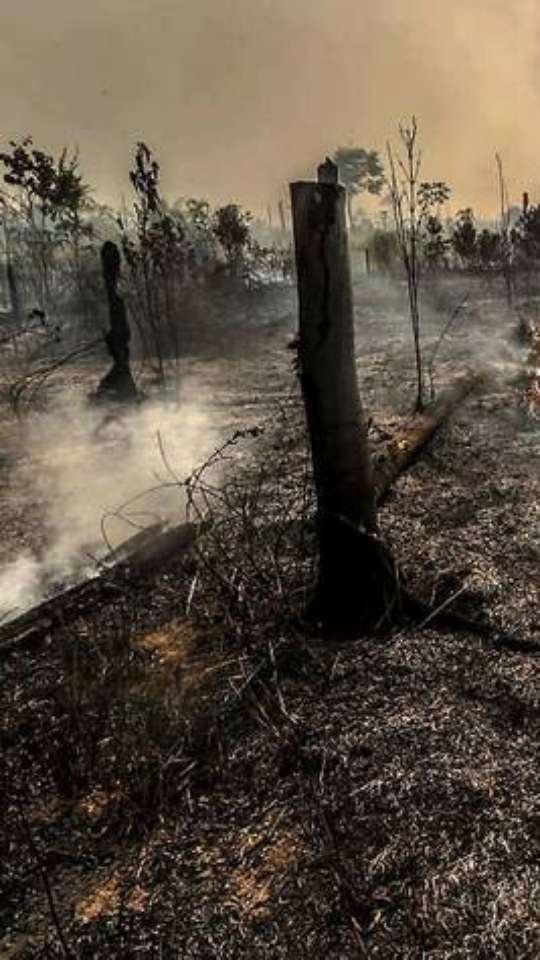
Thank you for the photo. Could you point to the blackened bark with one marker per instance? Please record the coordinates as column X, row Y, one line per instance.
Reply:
column 118, row 384
column 357, row 584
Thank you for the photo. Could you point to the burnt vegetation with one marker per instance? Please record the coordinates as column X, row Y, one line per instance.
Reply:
column 297, row 717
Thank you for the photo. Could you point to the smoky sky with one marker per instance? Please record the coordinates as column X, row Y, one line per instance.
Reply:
column 237, row 97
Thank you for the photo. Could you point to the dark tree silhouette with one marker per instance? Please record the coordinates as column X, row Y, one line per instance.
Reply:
column 360, row 171
column 118, row 384
column 464, row 237
column 358, row 583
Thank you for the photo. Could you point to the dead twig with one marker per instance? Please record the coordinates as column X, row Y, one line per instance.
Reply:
column 41, row 864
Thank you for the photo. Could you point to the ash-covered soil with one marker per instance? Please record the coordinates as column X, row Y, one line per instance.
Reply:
column 235, row 382
column 230, row 785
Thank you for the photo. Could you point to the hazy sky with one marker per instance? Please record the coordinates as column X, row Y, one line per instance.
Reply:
column 237, row 97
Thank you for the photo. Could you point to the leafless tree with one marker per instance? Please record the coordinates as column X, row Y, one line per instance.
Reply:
column 403, row 186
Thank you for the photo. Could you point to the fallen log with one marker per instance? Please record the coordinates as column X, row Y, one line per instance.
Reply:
column 142, row 552
column 399, row 454
column 153, row 546
column 414, row 435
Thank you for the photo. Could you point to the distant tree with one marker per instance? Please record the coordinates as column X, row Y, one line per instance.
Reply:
column 490, row 249
column 528, row 233
column 431, row 197
column 47, row 199
column 144, row 177
column 464, row 237
column 136, row 245
column 157, row 251
column 434, row 243
column 49, row 187
column 231, row 226
column 201, row 243
column 384, row 250
column 170, row 249
column 360, row 171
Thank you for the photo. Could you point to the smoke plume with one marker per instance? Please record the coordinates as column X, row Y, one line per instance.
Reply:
column 83, row 465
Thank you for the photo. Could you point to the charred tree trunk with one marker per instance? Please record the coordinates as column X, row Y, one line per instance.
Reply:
column 357, row 584
column 118, row 384
column 348, row 201
column 282, row 218
column 368, row 260
column 15, row 302
column 414, row 435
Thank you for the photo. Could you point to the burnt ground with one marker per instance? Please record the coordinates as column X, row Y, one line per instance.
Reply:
column 229, row 784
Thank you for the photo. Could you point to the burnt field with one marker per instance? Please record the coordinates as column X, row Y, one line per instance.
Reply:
column 65, row 464
column 188, row 769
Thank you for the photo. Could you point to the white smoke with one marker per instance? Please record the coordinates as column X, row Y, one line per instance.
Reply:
column 20, row 584
column 84, row 464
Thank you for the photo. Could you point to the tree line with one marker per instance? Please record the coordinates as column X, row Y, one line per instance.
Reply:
column 52, row 230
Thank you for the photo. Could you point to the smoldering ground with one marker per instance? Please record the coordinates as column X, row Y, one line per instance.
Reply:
column 85, row 465
column 80, row 465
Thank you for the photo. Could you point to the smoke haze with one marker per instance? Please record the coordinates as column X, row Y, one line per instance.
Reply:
column 84, row 465
column 239, row 96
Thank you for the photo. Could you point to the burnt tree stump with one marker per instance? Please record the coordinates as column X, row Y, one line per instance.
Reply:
column 118, row 383
column 358, row 586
